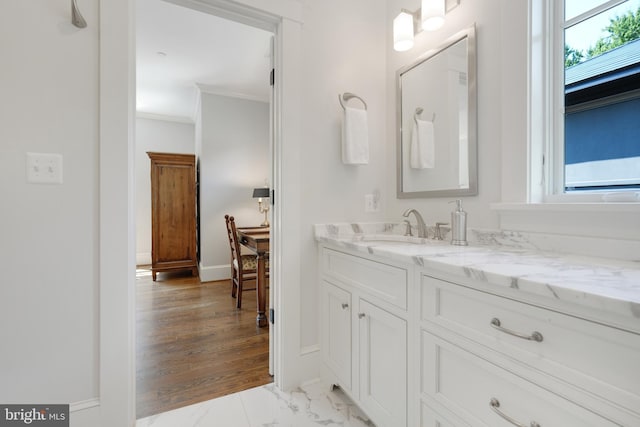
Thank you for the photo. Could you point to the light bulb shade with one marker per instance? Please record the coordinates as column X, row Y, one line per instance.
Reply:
column 432, row 14
column 403, row 32
column 260, row 192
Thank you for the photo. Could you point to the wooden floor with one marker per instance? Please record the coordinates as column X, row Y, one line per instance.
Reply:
column 193, row 344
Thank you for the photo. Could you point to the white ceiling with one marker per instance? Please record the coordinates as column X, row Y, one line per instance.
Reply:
column 178, row 48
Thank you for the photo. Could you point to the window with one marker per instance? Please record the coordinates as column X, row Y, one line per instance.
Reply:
column 586, row 65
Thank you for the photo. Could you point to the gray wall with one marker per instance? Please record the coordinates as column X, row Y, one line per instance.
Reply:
column 48, row 233
column 234, row 159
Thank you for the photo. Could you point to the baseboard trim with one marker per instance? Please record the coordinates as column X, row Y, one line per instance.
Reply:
column 310, row 363
column 84, row 404
column 85, row 413
column 309, row 349
column 216, row 272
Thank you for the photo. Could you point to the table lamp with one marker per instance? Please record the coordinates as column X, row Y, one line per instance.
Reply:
column 259, row 193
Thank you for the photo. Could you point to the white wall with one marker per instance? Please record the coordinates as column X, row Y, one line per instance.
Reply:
column 234, row 159
column 49, row 233
column 342, row 52
column 161, row 136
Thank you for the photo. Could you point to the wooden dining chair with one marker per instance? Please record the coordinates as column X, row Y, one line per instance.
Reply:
column 243, row 263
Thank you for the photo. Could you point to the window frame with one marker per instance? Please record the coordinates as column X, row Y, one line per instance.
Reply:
column 546, row 115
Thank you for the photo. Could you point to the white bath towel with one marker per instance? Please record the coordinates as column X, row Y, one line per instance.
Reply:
column 422, row 152
column 355, row 137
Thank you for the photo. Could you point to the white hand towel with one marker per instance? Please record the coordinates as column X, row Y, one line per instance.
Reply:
column 355, row 137
column 422, row 153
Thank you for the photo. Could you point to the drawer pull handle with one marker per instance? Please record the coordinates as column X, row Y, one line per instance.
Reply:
column 495, row 404
column 361, row 315
column 345, row 305
column 535, row 335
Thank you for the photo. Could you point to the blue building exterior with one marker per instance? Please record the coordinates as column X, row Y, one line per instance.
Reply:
column 602, row 107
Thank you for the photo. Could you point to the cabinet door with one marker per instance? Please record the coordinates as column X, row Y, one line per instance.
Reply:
column 383, row 365
column 175, row 231
column 337, row 333
column 173, row 212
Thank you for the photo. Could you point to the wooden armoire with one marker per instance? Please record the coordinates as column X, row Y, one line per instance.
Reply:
column 173, row 212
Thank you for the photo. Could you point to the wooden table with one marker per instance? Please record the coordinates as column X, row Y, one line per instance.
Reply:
column 257, row 240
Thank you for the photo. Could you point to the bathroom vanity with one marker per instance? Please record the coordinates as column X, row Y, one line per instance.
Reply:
column 422, row 333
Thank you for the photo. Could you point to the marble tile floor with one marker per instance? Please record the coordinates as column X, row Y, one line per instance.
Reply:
column 309, row 406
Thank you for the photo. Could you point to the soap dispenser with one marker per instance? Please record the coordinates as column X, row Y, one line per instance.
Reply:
column 458, row 225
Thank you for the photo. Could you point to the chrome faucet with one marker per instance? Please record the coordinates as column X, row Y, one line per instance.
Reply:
column 407, row 231
column 422, row 227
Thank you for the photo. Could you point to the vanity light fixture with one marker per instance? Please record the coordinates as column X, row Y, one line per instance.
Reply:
column 432, row 14
column 429, row 17
column 403, row 31
column 259, row 193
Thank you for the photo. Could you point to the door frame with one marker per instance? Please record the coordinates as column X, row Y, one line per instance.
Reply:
column 116, row 162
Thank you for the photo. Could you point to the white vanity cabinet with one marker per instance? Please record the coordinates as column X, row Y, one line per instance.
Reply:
column 439, row 345
column 486, row 358
column 364, row 333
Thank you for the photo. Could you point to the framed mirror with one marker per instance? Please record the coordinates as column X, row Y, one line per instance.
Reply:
column 436, row 121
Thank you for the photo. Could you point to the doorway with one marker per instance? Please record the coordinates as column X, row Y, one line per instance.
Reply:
column 117, row 224
column 171, row 111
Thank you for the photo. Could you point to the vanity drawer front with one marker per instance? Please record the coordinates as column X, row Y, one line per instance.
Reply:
column 382, row 280
column 599, row 359
column 467, row 385
column 430, row 418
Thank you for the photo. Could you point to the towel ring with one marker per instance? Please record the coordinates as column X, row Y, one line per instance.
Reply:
column 347, row 96
column 419, row 111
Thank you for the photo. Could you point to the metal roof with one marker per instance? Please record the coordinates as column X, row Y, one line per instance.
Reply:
column 619, row 58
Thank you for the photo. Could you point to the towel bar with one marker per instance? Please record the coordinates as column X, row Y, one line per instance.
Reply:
column 347, row 96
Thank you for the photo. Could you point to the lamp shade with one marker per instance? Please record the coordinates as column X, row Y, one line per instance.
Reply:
column 261, row 192
column 403, row 32
column 432, row 14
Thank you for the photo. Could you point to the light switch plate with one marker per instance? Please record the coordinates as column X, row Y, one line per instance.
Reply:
column 44, row 168
column 371, row 203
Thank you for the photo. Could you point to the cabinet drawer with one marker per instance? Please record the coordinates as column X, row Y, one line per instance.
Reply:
column 382, row 280
column 467, row 385
column 429, row 418
column 599, row 359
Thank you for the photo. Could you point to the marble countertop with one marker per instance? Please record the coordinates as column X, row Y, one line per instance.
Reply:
column 506, row 260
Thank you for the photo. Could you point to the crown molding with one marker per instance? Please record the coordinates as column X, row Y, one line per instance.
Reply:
column 164, row 117
column 216, row 90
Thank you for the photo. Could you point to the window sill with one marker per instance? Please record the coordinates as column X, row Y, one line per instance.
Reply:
column 620, row 207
